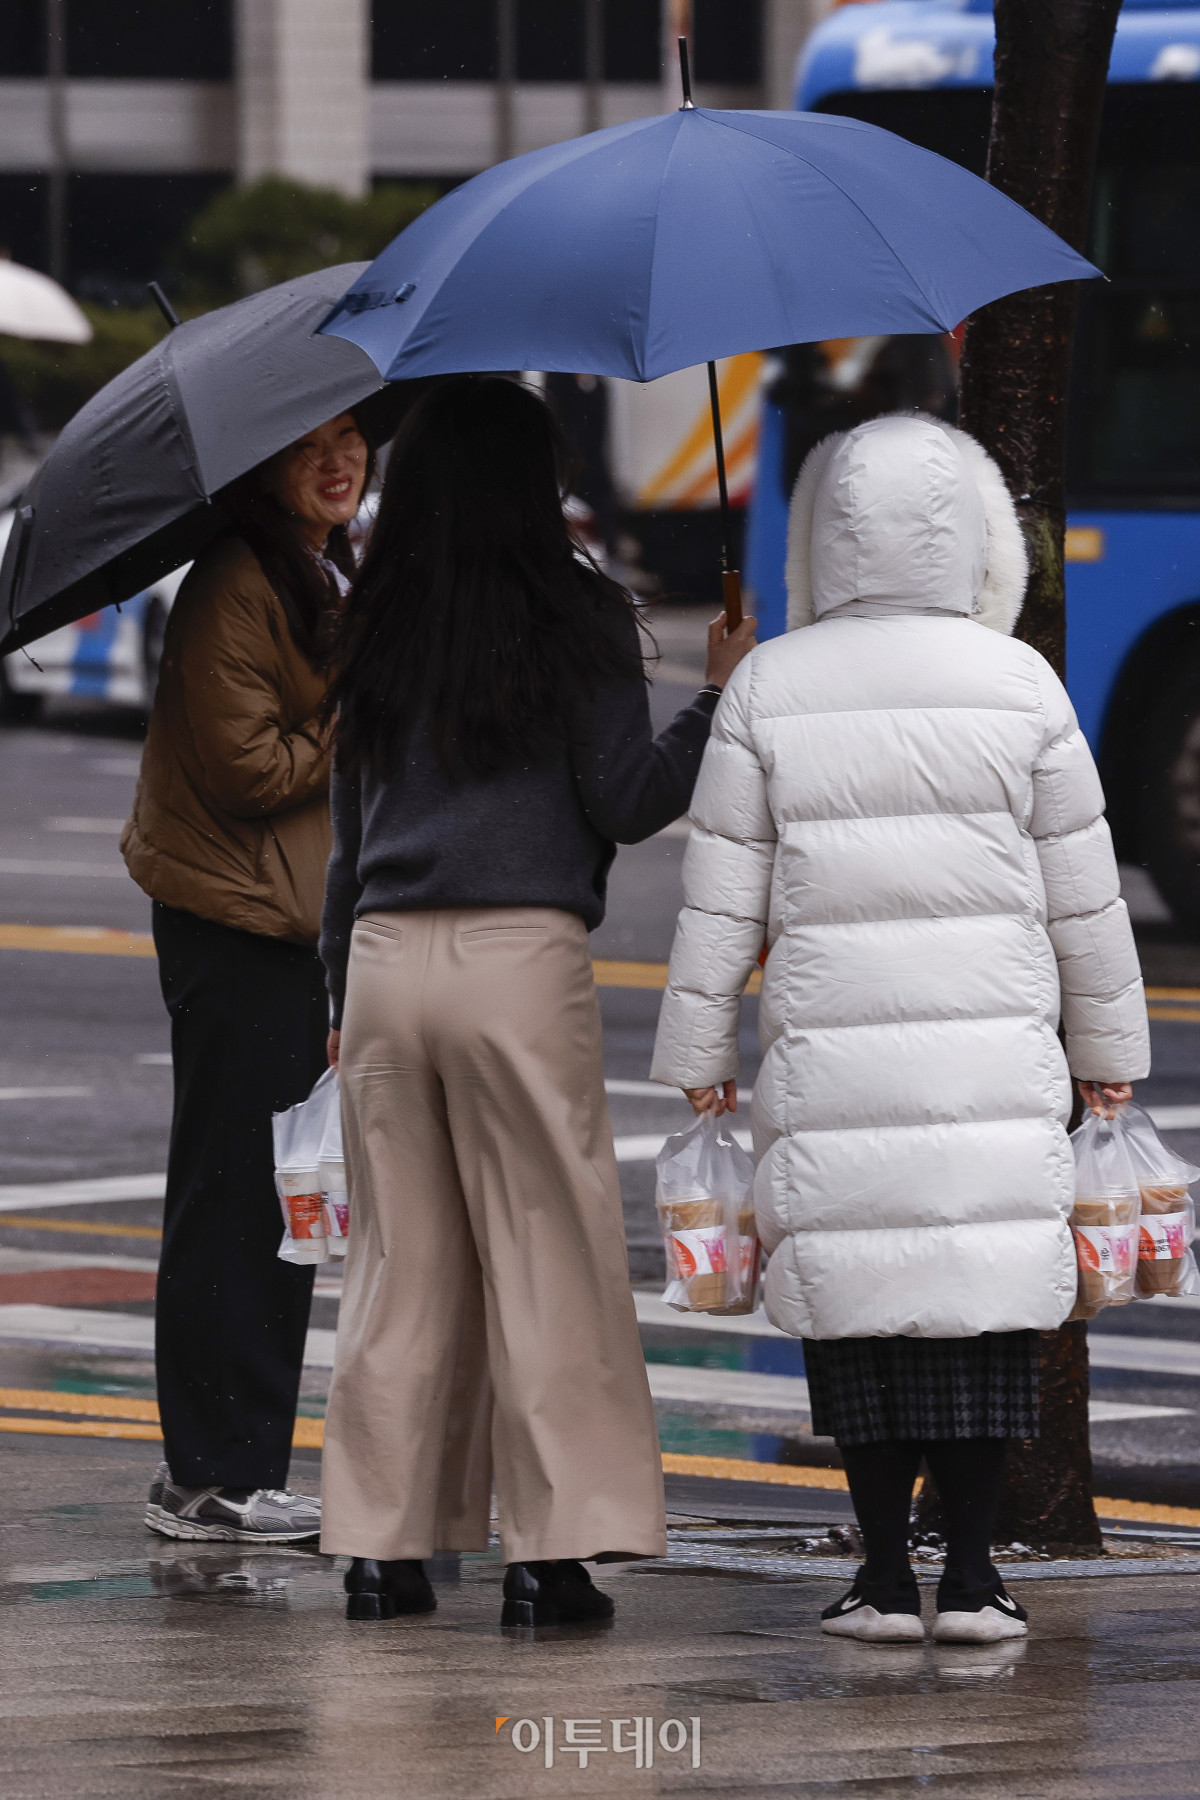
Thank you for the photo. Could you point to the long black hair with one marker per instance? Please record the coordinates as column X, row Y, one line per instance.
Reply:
column 474, row 609
column 307, row 592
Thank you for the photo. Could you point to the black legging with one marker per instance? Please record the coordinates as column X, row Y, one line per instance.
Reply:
column 968, row 1473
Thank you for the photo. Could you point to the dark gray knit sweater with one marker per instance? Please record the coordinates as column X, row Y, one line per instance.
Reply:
column 539, row 836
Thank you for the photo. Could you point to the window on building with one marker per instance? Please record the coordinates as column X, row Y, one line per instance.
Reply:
column 433, row 40
column 23, row 219
column 550, row 40
column 728, row 40
column 632, row 40
column 122, row 230
column 22, row 37
column 190, row 40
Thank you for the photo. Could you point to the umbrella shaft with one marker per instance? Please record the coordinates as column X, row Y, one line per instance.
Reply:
column 730, row 578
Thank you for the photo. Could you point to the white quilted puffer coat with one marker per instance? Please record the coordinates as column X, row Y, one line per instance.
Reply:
column 901, row 800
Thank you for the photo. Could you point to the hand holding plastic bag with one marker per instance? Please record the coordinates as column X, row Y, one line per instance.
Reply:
column 298, row 1135
column 706, row 1210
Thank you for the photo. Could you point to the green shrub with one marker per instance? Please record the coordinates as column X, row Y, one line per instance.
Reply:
column 56, row 379
column 249, row 238
column 246, row 239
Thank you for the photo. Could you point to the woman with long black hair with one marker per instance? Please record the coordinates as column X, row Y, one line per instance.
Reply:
column 493, row 747
column 229, row 837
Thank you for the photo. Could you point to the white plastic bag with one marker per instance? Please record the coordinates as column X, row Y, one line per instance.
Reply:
column 298, row 1135
column 1166, row 1261
column 1105, row 1217
column 335, row 1198
column 706, row 1210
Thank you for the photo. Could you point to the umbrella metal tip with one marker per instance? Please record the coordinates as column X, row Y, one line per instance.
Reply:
column 685, row 76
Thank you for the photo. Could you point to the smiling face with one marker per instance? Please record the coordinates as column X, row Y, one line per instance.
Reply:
column 320, row 478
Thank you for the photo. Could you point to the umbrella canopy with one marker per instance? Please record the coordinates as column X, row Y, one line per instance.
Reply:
column 674, row 240
column 33, row 306
column 125, row 494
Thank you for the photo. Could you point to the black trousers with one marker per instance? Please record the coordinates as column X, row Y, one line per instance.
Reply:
column 969, row 1473
column 249, row 1017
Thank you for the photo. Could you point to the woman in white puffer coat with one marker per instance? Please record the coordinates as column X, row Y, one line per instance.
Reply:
column 900, row 798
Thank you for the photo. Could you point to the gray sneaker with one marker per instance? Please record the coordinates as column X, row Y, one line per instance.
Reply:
column 231, row 1515
column 154, row 1503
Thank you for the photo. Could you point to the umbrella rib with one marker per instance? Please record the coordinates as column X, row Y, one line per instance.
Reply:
column 857, row 205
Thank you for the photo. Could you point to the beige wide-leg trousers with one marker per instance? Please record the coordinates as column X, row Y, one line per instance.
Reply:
column 487, row 1323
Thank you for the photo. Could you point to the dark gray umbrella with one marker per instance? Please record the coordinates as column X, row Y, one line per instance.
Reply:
column 125, row 494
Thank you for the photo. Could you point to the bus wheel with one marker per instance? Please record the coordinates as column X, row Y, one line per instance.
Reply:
column 1171, row 820
column 17, row 708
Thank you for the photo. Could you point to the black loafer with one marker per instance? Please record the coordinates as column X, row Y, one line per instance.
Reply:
column 552, row 1593
column 383, row 1590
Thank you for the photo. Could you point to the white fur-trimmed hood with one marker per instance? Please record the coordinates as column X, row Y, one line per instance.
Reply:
column 904, row 514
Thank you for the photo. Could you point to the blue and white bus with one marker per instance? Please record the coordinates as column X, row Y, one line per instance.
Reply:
column 923, row 69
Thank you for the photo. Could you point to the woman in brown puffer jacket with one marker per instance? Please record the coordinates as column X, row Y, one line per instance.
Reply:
column 229, row 837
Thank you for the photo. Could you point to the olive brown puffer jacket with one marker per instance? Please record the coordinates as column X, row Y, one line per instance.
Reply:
column 231, row 817
column 902, row 801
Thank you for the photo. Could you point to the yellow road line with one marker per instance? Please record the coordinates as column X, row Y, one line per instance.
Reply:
column 1146, row 1513
column 730, row 1468
column 1188, row 1013
column 89, row 1227
column 100, row 1406
column 83, row 941
column 78, row 940
column 648, row 975
column 1171, row 993
column 309, row 1434
column 92, row 1428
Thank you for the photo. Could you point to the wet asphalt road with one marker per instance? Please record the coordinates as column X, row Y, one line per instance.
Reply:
column 85, row 1081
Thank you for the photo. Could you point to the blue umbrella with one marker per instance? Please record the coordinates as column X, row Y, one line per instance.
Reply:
column 678, row 239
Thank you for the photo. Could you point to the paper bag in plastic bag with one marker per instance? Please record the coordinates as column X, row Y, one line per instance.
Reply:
column 298, row 1135
column 706, row 1211
column 1166, row 1261
column 1105, row 1216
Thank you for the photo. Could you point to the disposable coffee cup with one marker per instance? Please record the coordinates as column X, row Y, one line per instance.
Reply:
column 335, row 1201
column 300, row 1201
column 1106, row 1248
column 694, row 1233
column 1163, row 1238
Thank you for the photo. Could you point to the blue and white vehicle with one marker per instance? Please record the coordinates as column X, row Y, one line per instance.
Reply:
column 111, row 655
column 923, row 69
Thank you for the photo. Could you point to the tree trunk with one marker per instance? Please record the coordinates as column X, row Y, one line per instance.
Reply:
column 1051, row 64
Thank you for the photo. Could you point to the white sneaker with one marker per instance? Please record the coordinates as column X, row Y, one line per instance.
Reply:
column 1000, row 1618
column 854, row 1617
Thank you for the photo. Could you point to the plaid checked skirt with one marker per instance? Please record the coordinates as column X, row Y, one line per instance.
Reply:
column 870, row 1390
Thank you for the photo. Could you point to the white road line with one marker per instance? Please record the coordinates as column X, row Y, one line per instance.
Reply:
column 46, row 1093
column 90, row 871
column 1145, row 1355
column 105, row 827
column 651, row 1310
column 728, row 1387
column 116, row 765
column 83, row 1329
column 156, row 1059
column 1114, row 1412
column 82, row 1193
column 1175, row 1118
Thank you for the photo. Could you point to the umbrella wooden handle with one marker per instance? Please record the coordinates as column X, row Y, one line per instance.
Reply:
column 731, row 583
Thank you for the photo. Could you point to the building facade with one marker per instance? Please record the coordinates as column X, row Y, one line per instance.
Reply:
column 120, row 118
